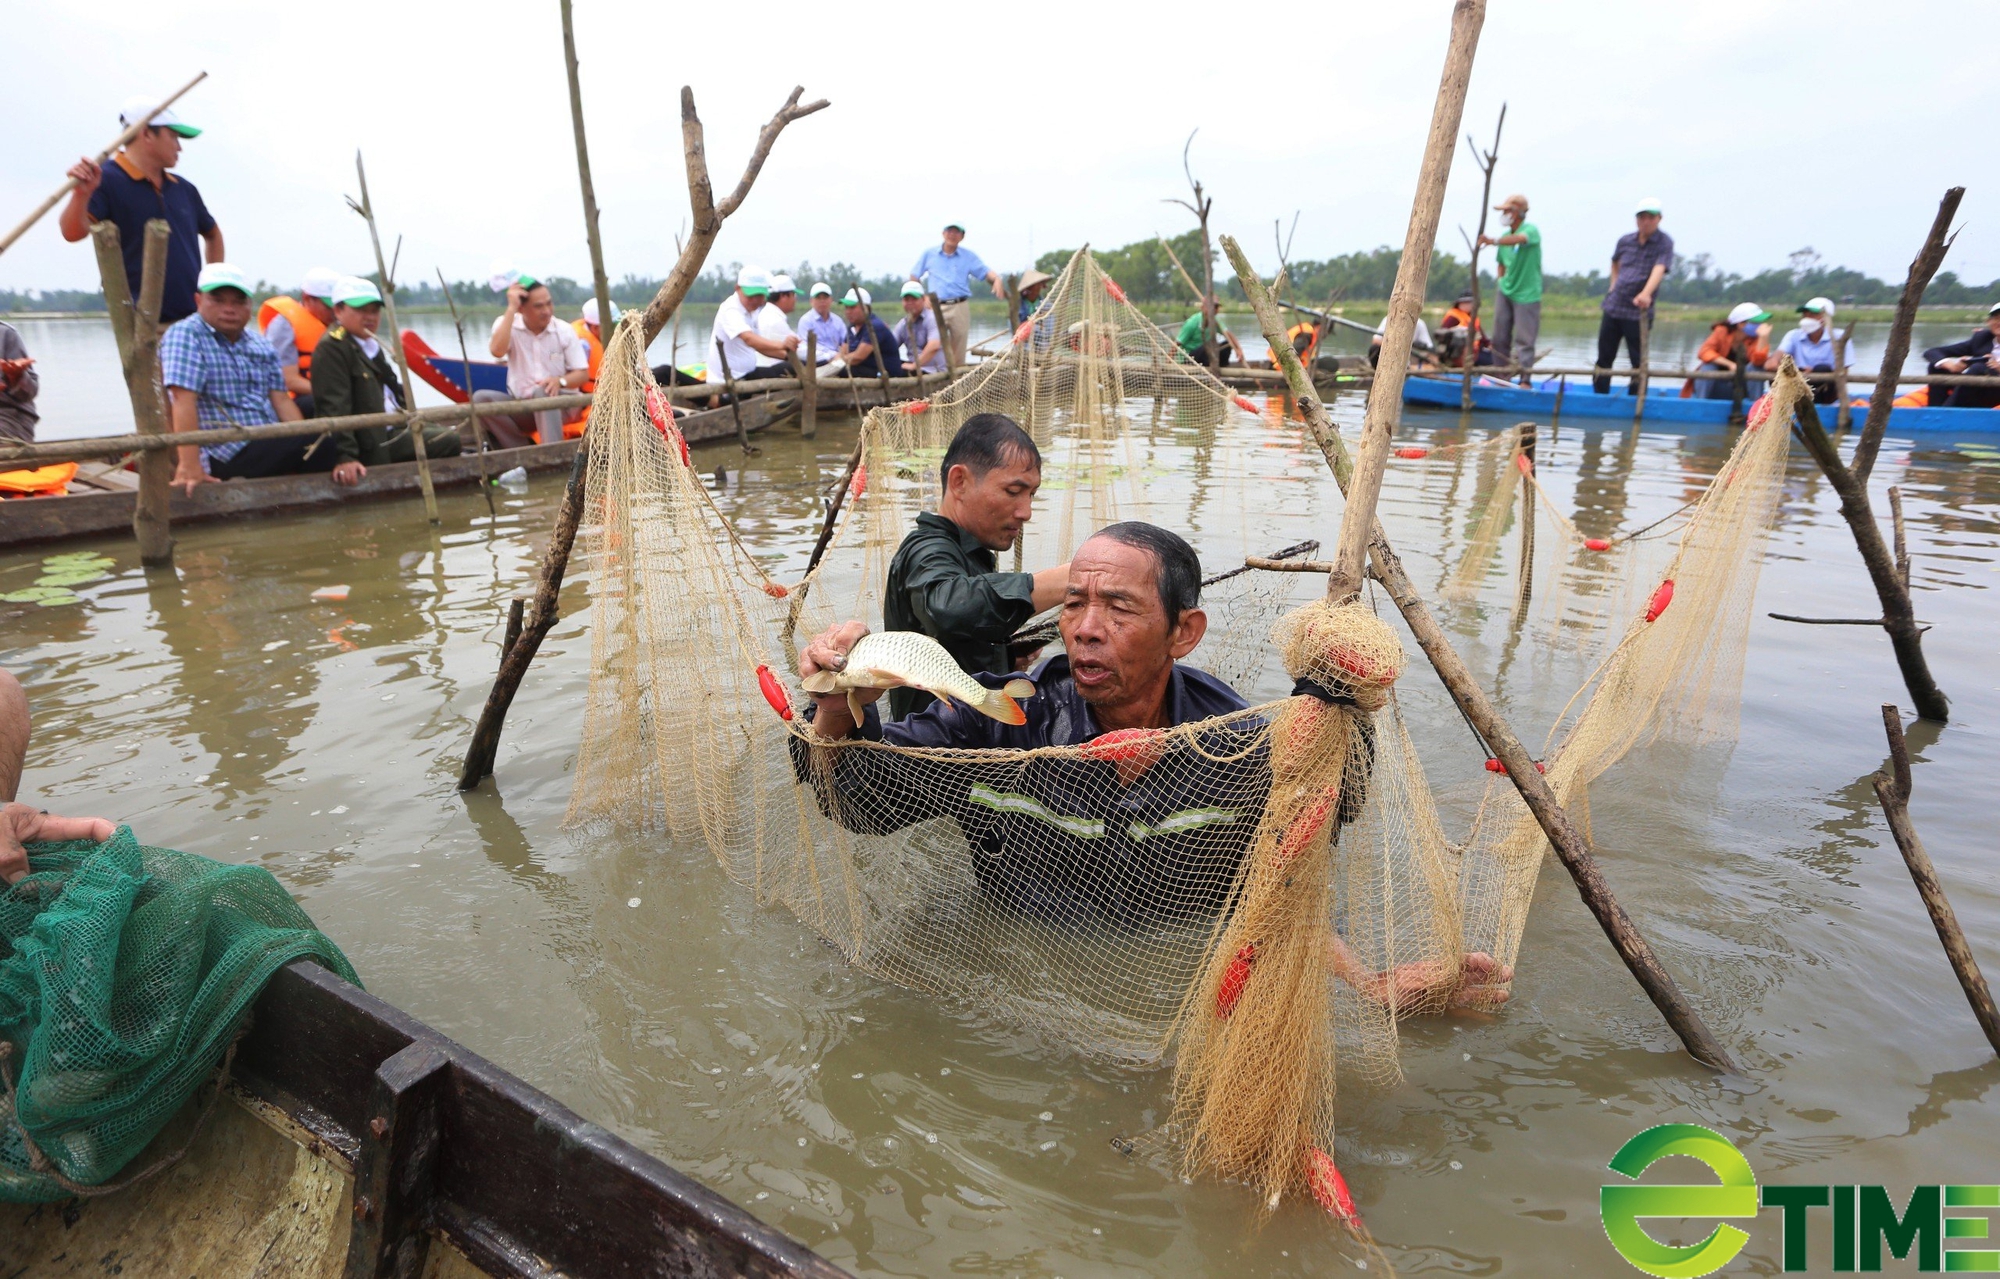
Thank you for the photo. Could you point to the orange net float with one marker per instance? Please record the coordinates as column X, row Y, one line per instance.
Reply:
column 1234, row 978
column 1111, row 287
column 917, row 406
column 1413, row 452
column 1526, row 464
column 859, row 484
column 1760, row 412
column 774, row 692
column 1125, row 745
column 776, row 590
column 1661, row 598
column 1245, row 403
column 1596, row 544
column 1305, row 827
column 1021, row 334
column 1495, row 766
column 1329, row 1187
column 662, row 413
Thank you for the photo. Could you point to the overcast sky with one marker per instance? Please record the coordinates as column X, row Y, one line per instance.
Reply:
column 1762, row 127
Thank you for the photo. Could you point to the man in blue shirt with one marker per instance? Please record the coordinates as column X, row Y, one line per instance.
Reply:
column 1815, row 347
column 823, row 325
column 868, row 347
column 136, row 188
column 1639, row 263
column 218, row 374
column 949, row 272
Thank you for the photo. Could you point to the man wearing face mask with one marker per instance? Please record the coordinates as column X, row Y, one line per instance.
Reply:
column 1812, row 347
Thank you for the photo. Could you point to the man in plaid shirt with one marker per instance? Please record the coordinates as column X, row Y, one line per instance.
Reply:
column 218, row 374
column 1638, row 265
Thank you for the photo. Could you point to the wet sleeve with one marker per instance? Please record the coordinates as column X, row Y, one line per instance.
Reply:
column 952, row 603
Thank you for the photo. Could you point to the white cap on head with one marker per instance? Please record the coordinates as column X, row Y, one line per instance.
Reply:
column 782, row 283
column 590, row 313
column 753, row 279
column 135, row 108
column 824, row 290
column 1745, row 311
column 1817, row 306
column 1651, row 204
column 319, row 282
column 848, row 298
column 352, row 290
column 221, row 275
column 912, row 289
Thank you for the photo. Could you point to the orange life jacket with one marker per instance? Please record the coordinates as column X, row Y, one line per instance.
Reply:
column 306, row 327
column 1304, row 329
column 42, row 481
column 573, row 430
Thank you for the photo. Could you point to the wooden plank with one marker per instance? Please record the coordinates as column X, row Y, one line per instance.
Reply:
column 395, row 1179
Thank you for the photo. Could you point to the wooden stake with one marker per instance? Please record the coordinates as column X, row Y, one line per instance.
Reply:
column 131, row 131
column 478, row 423
column 1922, row 268
column 1902, row 539
column 809, row 389
column 1571, row 848
column 598, row 280
column 1526, row 590
column 1639, row 382
column 395, row 343
column 944, row 347
column 1486, row 165
column 1898, row 616
column 1894, row 794
column 729, row 381
column 1406, row 300
column 136, row 328
column 1841, row 417
column 1200, row 206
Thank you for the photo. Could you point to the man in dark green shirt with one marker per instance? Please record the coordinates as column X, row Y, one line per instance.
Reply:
column 351, row 374
column 945, row 579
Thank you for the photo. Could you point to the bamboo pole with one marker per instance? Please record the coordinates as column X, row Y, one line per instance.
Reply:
column 1570, row 845
column 1641, row 380
column 1486, row 166
column 1842, row 417
column 1922, row 268
column 135, row 326
column 708, row 219
column 131, row 131
column 601, row 285
column 1894, row 794
column 1406, row 300
column 478, row 423
column 729, row 382
column 1898, row 615
column 1526, row 589
column 944, row 347
column 809, row 388
column 366, row 209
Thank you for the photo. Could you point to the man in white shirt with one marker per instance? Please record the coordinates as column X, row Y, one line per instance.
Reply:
column 774, row 324
column 738, row 338
column 543, row 358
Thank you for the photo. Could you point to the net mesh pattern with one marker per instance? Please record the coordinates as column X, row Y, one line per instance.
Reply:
column 1262, row 894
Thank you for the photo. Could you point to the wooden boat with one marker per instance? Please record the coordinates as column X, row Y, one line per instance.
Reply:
column 353, row 1140
column 30, row 520
column 1663, row 404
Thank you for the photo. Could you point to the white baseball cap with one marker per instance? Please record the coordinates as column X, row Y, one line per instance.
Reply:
column 1744, row 312
column 136, row 108
column 782, row 283
column 848, row 298
column 753, row 280
column 320, row 282
column 352, row 290
column 1817, row 306
column 221, row 275
column 911, row 289
column 590, row 312
column 825, row 290
column 1651, row 204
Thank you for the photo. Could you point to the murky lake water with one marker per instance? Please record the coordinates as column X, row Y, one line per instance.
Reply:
column 218, row 709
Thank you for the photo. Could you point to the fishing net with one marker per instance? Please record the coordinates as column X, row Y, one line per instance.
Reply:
column 1263, row 893
column 126, row 975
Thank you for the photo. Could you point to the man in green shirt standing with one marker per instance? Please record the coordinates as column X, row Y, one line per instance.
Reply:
column 1203, row 332
column 944, row 580
column 1517, row 316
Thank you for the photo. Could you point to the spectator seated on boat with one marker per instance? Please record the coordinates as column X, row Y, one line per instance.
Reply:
column 918, row 333
column 543, row 358
column 828, row 330
column 219, row 374
column 867, row 348
column 774, row 325
column 1031, row 287
column 1973, row 356
column 1203, row 331
column 1814, row 346
column 294, row 327
column 1459, row 330
column 1734, row 342
column 1422, row 355
column 18, row 387
column 591, row 334
column 24, row 823
column 738, row 339
column 352, row 374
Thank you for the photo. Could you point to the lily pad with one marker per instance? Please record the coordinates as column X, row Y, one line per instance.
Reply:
column 46, row 596
column 67, row 577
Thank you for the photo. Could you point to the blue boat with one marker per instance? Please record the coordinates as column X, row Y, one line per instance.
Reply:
column 1662, row 405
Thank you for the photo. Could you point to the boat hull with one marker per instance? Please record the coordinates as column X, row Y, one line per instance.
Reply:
column 1662, row 405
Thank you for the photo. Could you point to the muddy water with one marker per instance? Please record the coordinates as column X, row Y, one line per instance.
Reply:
column 219, row 709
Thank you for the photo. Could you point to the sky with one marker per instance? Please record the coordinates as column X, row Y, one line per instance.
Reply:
column 1763, row 128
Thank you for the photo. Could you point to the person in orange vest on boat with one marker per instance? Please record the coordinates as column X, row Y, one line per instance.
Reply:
column 592, row 333
column 1304, row 337
column 1737, row 339
column 1461, row 332
column 294, row 327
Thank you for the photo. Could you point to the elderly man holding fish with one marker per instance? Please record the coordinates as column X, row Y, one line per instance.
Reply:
column 1140, row 826
column 944, row 581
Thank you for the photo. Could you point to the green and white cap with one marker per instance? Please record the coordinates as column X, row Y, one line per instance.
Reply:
column 504, row 276
column 135, row 109
column 352, row 290
column 320, row 282
column 849, row 299
column 912, row 289
column 753, row 281
column 1651, row 204
column 221, row 275
column 1817, row 306
column 1748, row 313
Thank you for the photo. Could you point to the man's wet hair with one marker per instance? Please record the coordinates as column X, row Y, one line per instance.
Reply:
column 1177, row 570
column 985, row 441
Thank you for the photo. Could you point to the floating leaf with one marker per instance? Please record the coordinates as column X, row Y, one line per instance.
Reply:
column 46, row 596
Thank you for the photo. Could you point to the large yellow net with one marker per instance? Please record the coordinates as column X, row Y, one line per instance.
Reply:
column 1261, row 894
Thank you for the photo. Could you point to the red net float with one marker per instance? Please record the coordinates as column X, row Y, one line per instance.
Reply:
column 1495, row 766
column 917, row 406
column 1234, row 978
column 1760, row 412
column 1125, row 745
column 1413, row 452
column 1329, row 1187
column 859, row 484
column 1661, row 598
column 1306, row 825
column 1021, row 334
column 1245, row 403
column 1111, row 287
column 774, row 692
column 1304, row 725
column 776, row 590
column 1526, row 464
column 661, row 411
column 1596, row 544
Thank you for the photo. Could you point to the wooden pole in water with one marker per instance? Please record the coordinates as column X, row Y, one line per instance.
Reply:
column 600, row 284
column 1527, row 582
column 131, row 131
column 1645, row 363
column 366, row 209
column 708, row 219
column 1894, row 794
column 729, row 381
column 944, row 347
column 1571, row 847
column 1922, row 268
column 1842, row 418
column 478, row 423
column 1406, row 300
column 136, row 328
column 1486, row 164
column 809, row 389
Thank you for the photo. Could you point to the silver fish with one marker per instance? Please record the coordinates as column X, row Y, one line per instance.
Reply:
column 909, row 659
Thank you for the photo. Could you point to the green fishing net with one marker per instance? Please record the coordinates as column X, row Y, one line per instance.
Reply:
column 126, row 973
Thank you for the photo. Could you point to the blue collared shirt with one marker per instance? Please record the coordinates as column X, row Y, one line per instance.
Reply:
column 832, row 331
column 1809, row 354
column 233, row 381
column 130, row 202
column 1635, row 266
column 950, row 274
